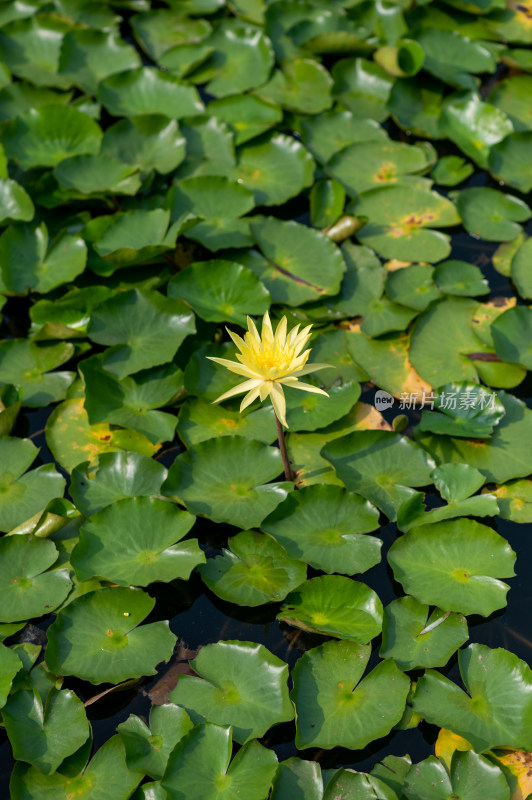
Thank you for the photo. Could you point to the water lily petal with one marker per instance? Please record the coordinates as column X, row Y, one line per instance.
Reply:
column 240, row 369
column 305, row 387
column 242, row 387
column 250, row 397
column 279, row 403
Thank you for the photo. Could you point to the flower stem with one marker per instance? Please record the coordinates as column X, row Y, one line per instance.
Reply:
column 282, row 447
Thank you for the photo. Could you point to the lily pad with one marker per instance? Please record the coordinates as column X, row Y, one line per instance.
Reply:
column 241, row 684
column 88, row 56
column 157, row 30
column 451, row 170
column 335, row 707
column 28, row 364
column 400, row 220
column 512, row 335
column 490, row 214
column 317, row 411
column 149, row 142
column 226, row 479
column 112, row 477
column 363, row 87
column 413, row 287
column 510, row 96
column 91, row 637
column 43, row 137
column 247, row 116
column 508, row 161
column 325, row 526
column 473, row 125
column 460, row 278
column 468, row 410
column 10, row 405
column 147, row 90
column 328, row 133
column 199, row 421
column 28, row 588
column 97, row 174
column 404, row 640
column 497, row 707
column 72, row 439
column 380, row 466
column 335, row 606
column 520, row 266
column 300, row 263
column 143, row 328
column 30, row 263
column 297, row 779
column 454, row 58
column 515, row 500
column 302, row 85
column 254, row 570
column 416, row 105
column 10, row 665
column 471, row 775
column 15, row 203
column 455, row 565
column 134, row 542
column 275, row 168
column 148, row 748
column 199, row 768
column 44, row 728
column 31, row 47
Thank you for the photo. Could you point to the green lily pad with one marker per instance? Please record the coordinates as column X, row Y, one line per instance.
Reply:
column 43, row 137
column 106, row 775
column 253, row 571
column 68, row 316
column 415, row 104
column 412, row 286
column 28, row 589
column 226, row 479
column 335, row 606
column 515, row 500
column 473, row 125
column 328, row 133
column 383, row 316
column 509, row 162
column 210, row 148
column 297, row 779
column 199, row 421
column 325, row 526
column 335, row 707
column 314, row 411
column 185, row 58
column 112, row 477
column 357, row 784
column 497, row 707
column 204, row 378
column 468, row 410
column 510, row 96
column 512, row 335
column 15, row 203
column 143, row 328
column 519, row 262
column 147, row 90
column 490, row 214
column 199, row 768
column 454, row 565
column 400, row 220
column 149, row 142
column 460, row 278
column 471, row 775
column 10, row 665
column 16, row 98
column 512, row 23
column 72, row 439
column 31, row 48
column 29, row 263
column 10, row 405
column 97, row 639
column 134, row 400
column 28, row 364
column 369, row 165
column 403, row 639
column 148, row 748
column 456, row 482
column 134, row 542
column 242, row 59
column 454, row 58
column 44, row 729
column 88, row 56
column 363, row 87
column 275, row 168
column 97, row 174
column 326, row 203
column 300, row 263
column 379, row 465
column 157, row 30
column 241, row 684
column 451, row 170
column 302, row 85
column 247, row 116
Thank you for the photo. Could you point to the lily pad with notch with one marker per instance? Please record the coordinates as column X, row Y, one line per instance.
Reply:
column 147, row 90
column 31, row 47
column 471, row 775
column 158, row 30
column 135, row 542
column 302, row 85
column 416, row 104
column 336, row 706
column 95, row 175
column 149, row 142
column 512, row 335
column 248, row 116
column 412, row 287
column 417, row 638
column 334, row 605
column 362, row 87
column 461, row 279
column 226, row 479
column 451, row 170
column 509, row 160
column 515, row 500
column 454, row 58
column 467, row 410
column 473, row 125
column 88, row 56
column 254, row 570
column 490, row 214
column 148, row 748
column 199, row 421
column 239, row 683
column 455, row 565
column 325, row 526
column 10, row 405
column 29, row 365
column 91, row 636
column 315, row 411
column 328, row 133
column 15, row 203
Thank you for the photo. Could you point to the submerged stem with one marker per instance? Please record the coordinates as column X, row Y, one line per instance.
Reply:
column 282, row 447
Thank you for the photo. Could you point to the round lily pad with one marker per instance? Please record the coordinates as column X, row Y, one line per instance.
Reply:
column 149, row 142
column 473, row 125
column 519, row 263
column 515, row 500
column 454, row 58
column 134, row 542
column 451, row 170
column 248, row 116
column 455, row 565
column 31, row 47
column 335, row 706
column 412, row 286
column 157, row 30
column 324, row 526
column 416, row 105
column 335, row 606
column 509, row 160
column 416, row 638
column 512, row 97
column 317, row 411
column 96, row 637
column 28, row 589
column 254, row 570
column 302, row 85
column 97, row 174
column 512, row 335
column 147, row 90
column 492, row 215
column 15, row 203
column 226, row 479
column 29, row 364
column 148, row 748
column 88, row 56
column 199, row 421
column 460, row 278
column 42, row 137
column 241, row 684
column 363, row 87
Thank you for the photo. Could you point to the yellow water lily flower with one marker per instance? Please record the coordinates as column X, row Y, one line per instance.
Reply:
column 270, row 361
